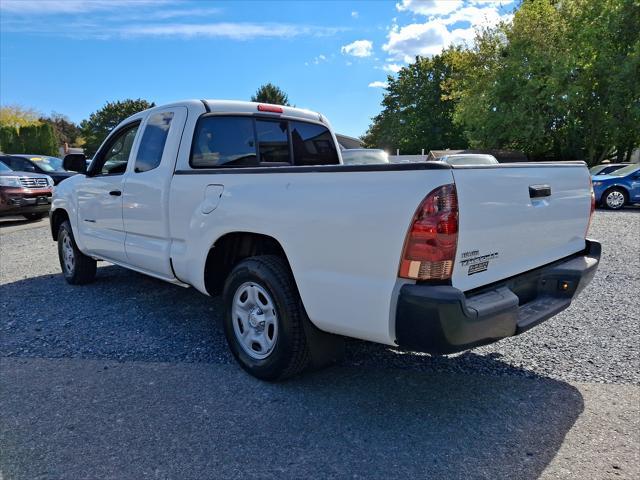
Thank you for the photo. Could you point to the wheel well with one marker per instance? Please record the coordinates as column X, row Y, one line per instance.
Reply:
column 617, row 187
column 229, row 250
column 58, row 217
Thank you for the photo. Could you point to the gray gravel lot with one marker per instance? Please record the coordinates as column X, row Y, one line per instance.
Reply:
column 128, row 316
column 130, row 378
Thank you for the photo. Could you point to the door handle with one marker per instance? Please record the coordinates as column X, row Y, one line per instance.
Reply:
column 115, row 193
column 538, row 191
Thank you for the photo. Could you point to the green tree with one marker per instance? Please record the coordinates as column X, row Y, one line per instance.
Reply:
column 269, row 93
column 416, row 112
column 39, row 139
column 559, row 82
column 100, row 123
column 10, row 141
column 604, row 47
column 36, row 139
column 16, row 116
column 64, row 129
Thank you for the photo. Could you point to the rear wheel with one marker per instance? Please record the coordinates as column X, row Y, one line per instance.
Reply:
column 264, row 318
column 77, row 267
column 614, row 199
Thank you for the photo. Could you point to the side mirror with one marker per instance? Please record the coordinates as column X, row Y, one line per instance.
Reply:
column 75, row 162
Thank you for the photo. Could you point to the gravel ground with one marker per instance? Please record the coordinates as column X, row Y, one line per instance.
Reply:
column 125, row 316
column 130, row 378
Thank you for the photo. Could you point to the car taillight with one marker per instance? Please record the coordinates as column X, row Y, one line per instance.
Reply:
column 430, row 246
column 593, row 208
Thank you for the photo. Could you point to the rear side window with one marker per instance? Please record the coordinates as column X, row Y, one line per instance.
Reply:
column 312, row 144
column 273, row 142
column 153, row 142
column 224, row 141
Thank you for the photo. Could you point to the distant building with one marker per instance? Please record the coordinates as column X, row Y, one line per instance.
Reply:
column 346, row 141
column 503, row 156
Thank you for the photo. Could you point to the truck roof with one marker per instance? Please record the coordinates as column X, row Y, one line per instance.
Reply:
column 237, row 106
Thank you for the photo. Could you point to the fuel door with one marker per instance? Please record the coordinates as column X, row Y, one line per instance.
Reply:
column 212, row 196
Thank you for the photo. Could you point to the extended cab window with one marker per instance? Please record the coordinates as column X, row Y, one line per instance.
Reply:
column 312, row 144
column 273, row 141
column 227, row 141
column 113, row 159
column 153, row 141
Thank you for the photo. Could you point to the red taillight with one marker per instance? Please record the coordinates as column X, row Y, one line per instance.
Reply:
column 270, row 108
column 430, row 247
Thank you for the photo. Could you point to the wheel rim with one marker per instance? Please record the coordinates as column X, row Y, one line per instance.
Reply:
column 68, row 254
column 615, row 199
column 255, row 321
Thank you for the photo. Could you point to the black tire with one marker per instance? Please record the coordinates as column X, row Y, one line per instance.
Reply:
column 83, row 268
column 290, row 353
column 34, row 216
column 614, row 193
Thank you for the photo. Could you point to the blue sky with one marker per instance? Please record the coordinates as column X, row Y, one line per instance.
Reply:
column 72, row 56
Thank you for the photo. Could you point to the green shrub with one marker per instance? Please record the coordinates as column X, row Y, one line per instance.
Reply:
column 10, row 141
column 37, row 139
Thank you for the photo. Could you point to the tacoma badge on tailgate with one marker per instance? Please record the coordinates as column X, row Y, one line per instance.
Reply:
column 476, row 264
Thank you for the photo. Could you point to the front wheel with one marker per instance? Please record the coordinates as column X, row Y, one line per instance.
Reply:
column 264, row 317
column 77, row 267
column 615, row 199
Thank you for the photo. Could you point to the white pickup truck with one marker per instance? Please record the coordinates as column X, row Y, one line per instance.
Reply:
column 252, row 201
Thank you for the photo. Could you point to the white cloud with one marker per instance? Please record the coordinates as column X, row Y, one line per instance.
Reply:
column 355, row 14
column 319, row 59
column 166, row 14
column 72, row 6
column 234, row 31
column 392, row 67
column 230, row 30
column 105, row 19
column 429, row 38
column 429, row 7
column 425, row 39
column 378, row 84
column 359, row 48
column 488, row 15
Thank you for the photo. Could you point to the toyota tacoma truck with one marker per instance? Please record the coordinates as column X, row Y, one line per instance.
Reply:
column 252, row 201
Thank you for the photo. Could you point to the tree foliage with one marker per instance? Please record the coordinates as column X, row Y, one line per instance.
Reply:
column 16, row 116
column 269, row 93
column 100, row 123
column 416, row 114
column 64, row 129
column 559, row 82
column 36, row 138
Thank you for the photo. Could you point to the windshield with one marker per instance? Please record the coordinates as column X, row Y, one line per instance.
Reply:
column 596, row 169
column 4, row 168
column 623, row 172
column 48, row 164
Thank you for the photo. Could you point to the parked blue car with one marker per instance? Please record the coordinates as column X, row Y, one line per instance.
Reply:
column 618, row 188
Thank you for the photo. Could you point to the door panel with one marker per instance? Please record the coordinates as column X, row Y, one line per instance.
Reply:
column 146, row 193
column 100, row 216
column 635, row 187
column 100, row 197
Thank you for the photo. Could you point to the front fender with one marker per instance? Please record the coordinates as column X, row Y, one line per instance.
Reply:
column 64, row 198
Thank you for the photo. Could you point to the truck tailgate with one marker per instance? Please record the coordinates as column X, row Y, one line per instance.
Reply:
column 517, row 217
